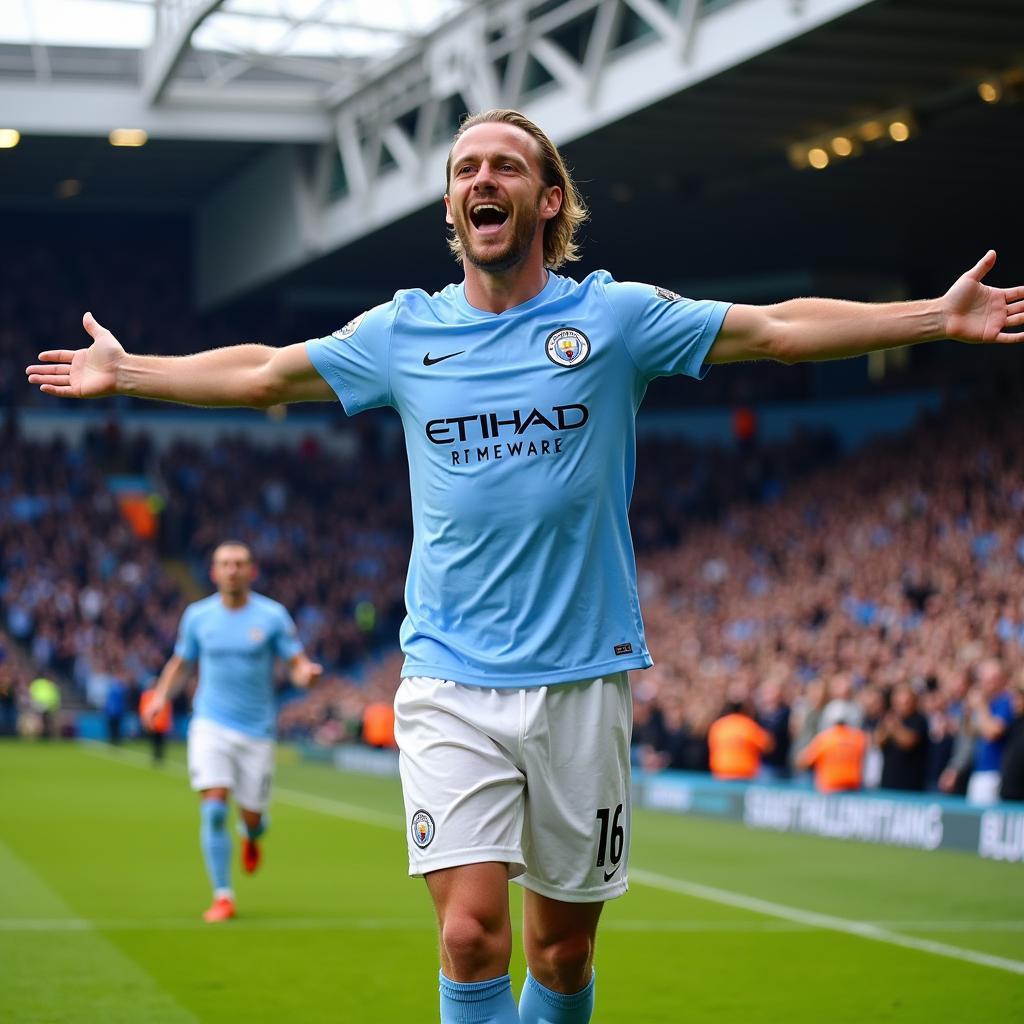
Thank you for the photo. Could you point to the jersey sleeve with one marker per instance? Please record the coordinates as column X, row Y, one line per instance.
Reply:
column 286, row 637
column 355, row 359
column 665, row 333
column 187, row 644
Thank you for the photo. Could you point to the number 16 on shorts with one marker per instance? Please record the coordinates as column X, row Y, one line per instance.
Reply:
column 611, row 840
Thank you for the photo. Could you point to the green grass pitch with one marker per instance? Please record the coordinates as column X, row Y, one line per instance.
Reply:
column 102, row 887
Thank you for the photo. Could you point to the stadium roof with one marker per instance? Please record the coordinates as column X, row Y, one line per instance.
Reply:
column 693, row 106
column 264, row 51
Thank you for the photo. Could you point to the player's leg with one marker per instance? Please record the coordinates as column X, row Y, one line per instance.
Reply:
column 254, row 763
column 475, row 931
column 576, row 839
column 464, row 804
column 215, row 840
column 559, row 940
column 211, row 774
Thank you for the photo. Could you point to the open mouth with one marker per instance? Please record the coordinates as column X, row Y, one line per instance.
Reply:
column 488, row 217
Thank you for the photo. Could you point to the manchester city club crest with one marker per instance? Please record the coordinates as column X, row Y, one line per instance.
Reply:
column 422, row 829
column 349, row 329
column 567, row 347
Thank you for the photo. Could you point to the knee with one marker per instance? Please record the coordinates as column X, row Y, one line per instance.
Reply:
column 474, row 948
column 215, row 814
column 564, row 964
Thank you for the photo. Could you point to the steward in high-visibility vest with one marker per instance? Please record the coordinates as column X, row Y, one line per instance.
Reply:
column 837, row 757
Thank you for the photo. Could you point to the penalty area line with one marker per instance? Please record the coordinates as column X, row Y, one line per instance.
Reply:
column 825, row 922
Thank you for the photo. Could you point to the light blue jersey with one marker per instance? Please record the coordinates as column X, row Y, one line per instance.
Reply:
column 236, row 648
column 521, row 440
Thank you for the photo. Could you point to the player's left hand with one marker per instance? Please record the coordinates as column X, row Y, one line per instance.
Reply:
column 306, row 673
column 978, row 313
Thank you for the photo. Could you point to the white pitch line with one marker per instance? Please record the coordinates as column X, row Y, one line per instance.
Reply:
column 808, row 918
column 826, row 922
column 306, row 801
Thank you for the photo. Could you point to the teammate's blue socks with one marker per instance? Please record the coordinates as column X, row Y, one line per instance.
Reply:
column 253, row 832
column 478, row 1002
column 216, row 843
column 539, row 1005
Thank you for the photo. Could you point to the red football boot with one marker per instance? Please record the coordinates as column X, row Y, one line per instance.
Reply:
column 222, row 909
column 251, row 855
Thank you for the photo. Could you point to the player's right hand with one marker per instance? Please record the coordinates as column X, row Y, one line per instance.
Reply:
column 82, row 373
column 157, row 702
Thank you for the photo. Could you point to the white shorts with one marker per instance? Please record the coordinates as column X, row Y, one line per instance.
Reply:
column 534, row 778
column 219, row 757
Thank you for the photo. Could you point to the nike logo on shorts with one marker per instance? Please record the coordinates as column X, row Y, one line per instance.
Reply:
column 427, row 361
column 608, row 874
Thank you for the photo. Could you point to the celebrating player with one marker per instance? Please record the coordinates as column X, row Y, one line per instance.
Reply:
column 235, row 635
column 518, row 390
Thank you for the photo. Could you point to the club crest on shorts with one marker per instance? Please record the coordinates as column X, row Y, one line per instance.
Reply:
column 567, row 347
column 422, row 829
column 349, row 329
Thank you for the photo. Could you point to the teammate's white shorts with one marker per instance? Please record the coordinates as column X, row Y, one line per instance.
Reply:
column 534, row 778
column 222, row 757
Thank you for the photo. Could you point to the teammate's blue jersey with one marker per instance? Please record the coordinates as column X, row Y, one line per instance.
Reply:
column 520, row 430
column 236, row 648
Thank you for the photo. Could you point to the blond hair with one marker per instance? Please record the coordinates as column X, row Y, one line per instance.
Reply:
column 559, row 232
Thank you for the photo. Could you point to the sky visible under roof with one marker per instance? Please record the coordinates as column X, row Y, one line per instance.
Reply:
column 320, row 28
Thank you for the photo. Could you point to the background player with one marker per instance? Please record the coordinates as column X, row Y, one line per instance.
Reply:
column 235, row 635
column 523, row 613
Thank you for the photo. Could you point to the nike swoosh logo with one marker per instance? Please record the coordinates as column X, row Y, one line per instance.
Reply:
column 427, row 361
column 608, row 874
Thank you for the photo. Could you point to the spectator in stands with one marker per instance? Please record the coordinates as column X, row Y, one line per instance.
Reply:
column 736, row 744
column 773, row 715
column 8, row 698
column 842, row 707
column 379, row 724
column 45, row 697
column 806, row 717
column 1011, row 784
column 837, row 757
column 874, row 709
column 991, row 711
column 902, row 736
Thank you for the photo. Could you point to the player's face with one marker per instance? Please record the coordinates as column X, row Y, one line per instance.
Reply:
column 497, row 201
column 232, row 570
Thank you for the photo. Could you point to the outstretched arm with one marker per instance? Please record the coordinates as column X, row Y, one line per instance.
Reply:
column 241, row 375
column 817, row 329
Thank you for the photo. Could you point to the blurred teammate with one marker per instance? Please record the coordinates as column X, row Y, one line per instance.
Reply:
column 517, row 389
column 234, row 635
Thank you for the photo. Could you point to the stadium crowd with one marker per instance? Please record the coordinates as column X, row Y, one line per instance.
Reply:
column 780, row 580
column 885, row 591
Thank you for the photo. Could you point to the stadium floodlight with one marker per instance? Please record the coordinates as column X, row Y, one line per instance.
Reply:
column 990, row 91
column 129, row 137
column 899, row 131
column 9, row 138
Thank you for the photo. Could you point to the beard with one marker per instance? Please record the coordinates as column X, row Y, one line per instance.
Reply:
column 515, row 250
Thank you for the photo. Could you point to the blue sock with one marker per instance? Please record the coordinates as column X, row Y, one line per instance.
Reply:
column 253, row 832
column 539, row 1005
column 215, row 840
column 478, row 1002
